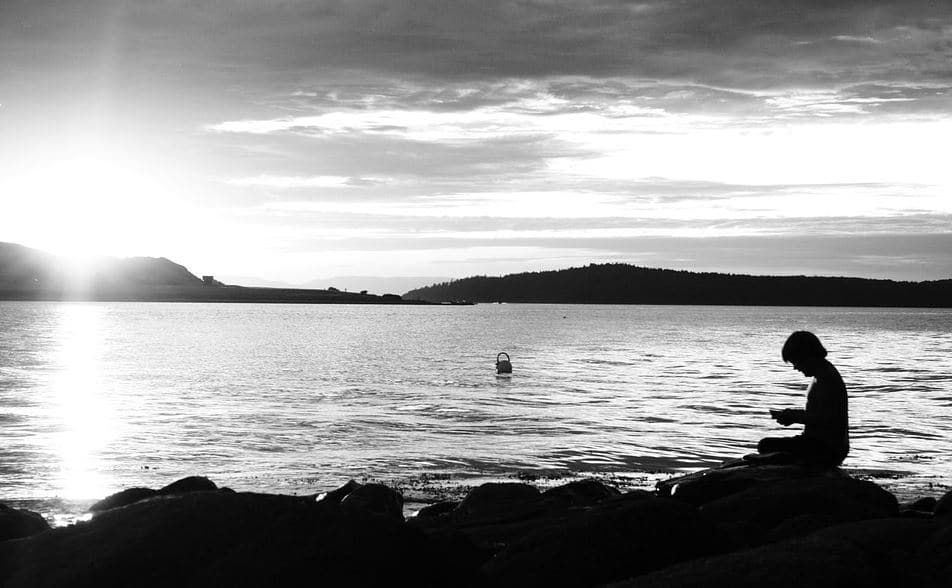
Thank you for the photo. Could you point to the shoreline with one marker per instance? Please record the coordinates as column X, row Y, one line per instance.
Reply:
column 736, row 524
column 209, row 294
column 425, row 489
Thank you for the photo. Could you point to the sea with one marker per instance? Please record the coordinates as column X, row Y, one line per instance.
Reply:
column 298, row 399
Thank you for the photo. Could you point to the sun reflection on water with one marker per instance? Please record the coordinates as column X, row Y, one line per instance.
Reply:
column 82, row 413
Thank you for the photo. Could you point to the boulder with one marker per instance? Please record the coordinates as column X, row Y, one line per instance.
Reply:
column 494, row 515
column 132, row 495
column 925, row 504
column 189, row 484
column 736, row 476
column 878, row 553
column 798, row 526
column 841, row 499
column 503, row 499
column 791, row 564
column 936, row 552
column 205, row 539
column 579, row 493
column 17, row 522
column 882, row 536
column 943, row 508
column 122, row 498
column 376, row 498
column 615, row 540
column 437, row 509
column 456, row 550
column 337, row 495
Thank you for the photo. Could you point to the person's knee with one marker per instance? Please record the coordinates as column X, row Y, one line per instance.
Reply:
column 766, row 445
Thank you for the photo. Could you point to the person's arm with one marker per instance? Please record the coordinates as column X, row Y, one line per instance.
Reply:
column 788, row 416
column 797, row 415
column 822, row 402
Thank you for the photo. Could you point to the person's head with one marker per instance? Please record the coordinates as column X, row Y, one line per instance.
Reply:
column 803, row 349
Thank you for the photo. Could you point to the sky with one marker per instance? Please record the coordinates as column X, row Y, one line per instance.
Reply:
column 289, row 140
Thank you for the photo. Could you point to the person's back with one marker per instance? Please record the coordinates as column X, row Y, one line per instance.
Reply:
column 827, row 414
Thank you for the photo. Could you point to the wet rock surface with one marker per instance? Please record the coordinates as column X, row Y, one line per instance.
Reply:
column 133, row 495
column 228, row 539
column 16, row 523
column 606, row 542
column 839, row 499
column 376, row 498
column 739, row 525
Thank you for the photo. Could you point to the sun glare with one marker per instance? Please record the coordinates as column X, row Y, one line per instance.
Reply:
column 85, row 420
column 89, row 201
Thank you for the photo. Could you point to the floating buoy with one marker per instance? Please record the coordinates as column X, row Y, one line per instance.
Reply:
column 503, row 366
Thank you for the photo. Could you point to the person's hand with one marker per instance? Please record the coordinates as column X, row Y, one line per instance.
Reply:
column 784, row 417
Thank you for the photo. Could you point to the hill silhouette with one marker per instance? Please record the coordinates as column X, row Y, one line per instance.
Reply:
column 26, row 269
column 628, row 284
column 31, row 274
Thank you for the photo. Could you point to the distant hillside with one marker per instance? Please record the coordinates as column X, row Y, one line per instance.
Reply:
column 627, row 284
column 25, row 269
column 30, row 274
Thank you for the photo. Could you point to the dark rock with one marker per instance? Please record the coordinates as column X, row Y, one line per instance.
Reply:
column 736, row 476
column 804, row 562
column 878, row 553
column 742, row 534
column 122, row 498
column 491, row 515
column 799, row 526
column 18, row 522
column 492, row 526
column 605, row 543
column 337, row 495
column 926, row 504
column 579, row 493
column 943, row 507
column 189, row 484
column 206, row 539
column 936, row 552
column 881, row 536
column 498, row 499
column 458, row 551
column 132, row 495
column 768, row 504
column 437, row 509
column 376, row 498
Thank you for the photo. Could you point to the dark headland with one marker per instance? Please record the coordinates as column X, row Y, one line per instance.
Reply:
column 618, row 283
column 31, row 274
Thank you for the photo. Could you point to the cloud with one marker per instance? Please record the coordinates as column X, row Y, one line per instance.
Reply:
column 296, row 181
column 853, row 39
column 699, row 40
column 685, row 56
column 563, row 127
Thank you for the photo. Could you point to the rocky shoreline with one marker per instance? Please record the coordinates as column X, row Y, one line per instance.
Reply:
column 739, row 525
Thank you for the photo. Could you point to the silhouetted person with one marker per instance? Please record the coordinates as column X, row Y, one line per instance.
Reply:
column 825, row 438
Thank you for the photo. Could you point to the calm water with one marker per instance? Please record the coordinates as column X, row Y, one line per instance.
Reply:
column 296, row 399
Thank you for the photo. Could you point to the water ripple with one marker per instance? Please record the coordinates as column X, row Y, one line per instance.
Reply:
column 94, row 398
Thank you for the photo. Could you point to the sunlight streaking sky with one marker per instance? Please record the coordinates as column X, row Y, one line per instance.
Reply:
column 294, row 140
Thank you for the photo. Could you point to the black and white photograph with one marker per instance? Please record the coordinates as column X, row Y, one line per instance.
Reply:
column 476, row 293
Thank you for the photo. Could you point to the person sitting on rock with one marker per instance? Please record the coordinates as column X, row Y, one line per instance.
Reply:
column 825, row 437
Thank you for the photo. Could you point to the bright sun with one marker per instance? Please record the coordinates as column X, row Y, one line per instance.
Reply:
column 84, row 202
